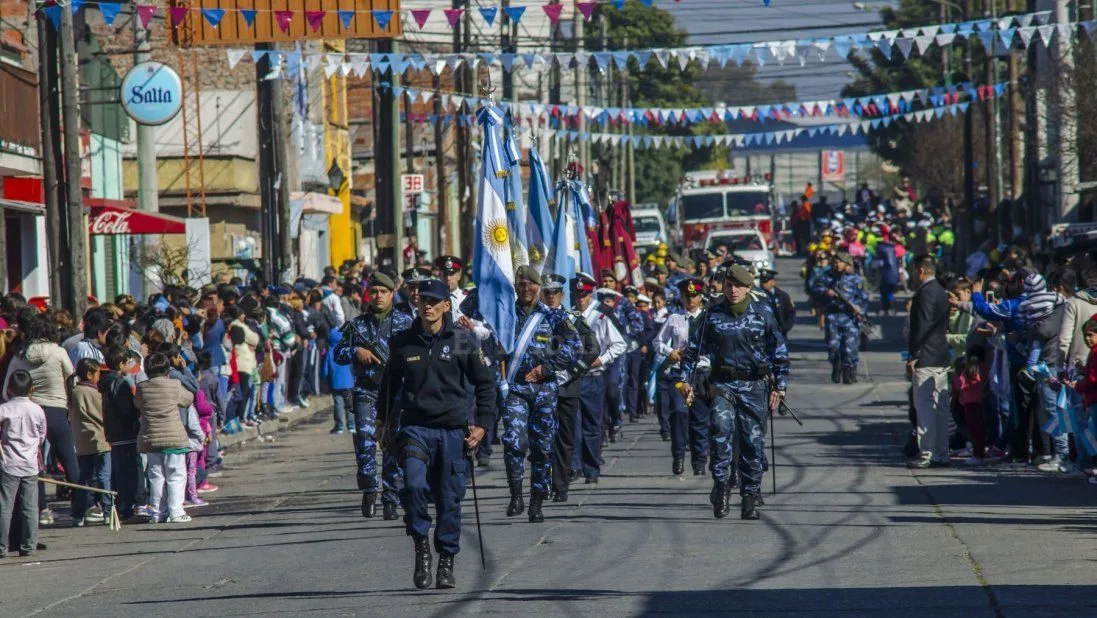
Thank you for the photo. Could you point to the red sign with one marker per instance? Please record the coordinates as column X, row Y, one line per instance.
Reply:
column 833, row 166
column 85, row 159
column 413, row 183
column 109, row 220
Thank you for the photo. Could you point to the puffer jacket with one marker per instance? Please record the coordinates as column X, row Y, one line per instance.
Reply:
column 159, row 400
column 86, row 417
column 49, row 367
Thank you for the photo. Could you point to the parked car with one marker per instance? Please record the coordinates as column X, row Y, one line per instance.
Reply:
column 748, row 244
column 651, row 229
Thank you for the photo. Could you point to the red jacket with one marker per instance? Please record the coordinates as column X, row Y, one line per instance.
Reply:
column 1088, row 385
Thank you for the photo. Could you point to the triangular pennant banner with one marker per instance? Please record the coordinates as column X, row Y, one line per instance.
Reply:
column 347, row 17
column 213, row 16
column 382, row 18
column 618, row 4
column 923, row 42
column 315, row 19
column 553, row 12
column 586, row 8
column 247, row 14
column 177, row 15
column 283, row 18
column 904, row 45
column 235, row 56
column 109, row 11
column 489, row 13
column 453, row 16
column 53, row 13
column 514, row 13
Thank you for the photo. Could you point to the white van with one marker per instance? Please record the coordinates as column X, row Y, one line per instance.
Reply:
column 651, row 229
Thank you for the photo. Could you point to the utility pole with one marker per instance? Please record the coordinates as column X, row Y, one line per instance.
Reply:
column 508, row 42
column 990, row 121
column 462, row 82
column 581, row 69
column 70, row 112
column 445, row 246
column 147, row 183
column 282, row 165
column 964, row 239
column 386, row 153
column 268, row 169
column 630, row 171
column 555, row 82
column 52, row 175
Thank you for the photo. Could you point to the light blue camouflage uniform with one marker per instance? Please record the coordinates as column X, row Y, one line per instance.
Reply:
column 843, row 332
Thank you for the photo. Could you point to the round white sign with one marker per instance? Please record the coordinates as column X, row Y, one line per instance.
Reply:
column 152, row 93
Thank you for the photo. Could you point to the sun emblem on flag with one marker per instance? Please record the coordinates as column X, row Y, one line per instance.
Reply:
column 495, row 234
column 535, row 255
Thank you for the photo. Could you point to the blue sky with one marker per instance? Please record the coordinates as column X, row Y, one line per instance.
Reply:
column 712, row 22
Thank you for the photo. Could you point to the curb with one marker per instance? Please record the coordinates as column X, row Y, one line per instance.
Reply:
column 319, row 405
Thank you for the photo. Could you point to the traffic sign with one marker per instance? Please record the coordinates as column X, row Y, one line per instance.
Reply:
column 412, row 183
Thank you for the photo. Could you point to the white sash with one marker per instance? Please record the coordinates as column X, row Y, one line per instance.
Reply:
column 523, row 343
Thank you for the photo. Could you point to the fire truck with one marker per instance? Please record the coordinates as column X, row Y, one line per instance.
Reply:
column 708, row 201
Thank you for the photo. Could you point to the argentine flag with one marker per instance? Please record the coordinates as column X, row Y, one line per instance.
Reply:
column 516, row 210
column 493, row 270
column 563, row 253
column 539, row 219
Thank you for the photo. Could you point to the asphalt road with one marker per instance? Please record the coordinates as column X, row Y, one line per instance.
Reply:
column 850, row 532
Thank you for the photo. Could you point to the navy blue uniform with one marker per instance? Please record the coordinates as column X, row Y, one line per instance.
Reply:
column 529, row 412
column 745, row 351
column 366, row 331
column 843, row 331
column 633, row 322
column 426, row 393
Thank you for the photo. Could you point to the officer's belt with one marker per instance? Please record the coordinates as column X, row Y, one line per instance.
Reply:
column 733, row 374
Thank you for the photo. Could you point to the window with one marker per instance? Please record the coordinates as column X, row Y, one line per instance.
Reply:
column 647, row 225
column 702, row 206
column 732, row 244
column 748, row 204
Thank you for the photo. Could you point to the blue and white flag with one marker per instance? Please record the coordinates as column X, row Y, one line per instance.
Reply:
column 563, row 252
column 516, row 210
column 582, row 214
column 539, row 220
column 493, row 263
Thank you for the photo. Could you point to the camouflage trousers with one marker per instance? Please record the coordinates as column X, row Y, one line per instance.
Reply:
column 529, row 426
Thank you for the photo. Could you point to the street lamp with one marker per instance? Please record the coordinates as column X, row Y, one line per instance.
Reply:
column 336, row 177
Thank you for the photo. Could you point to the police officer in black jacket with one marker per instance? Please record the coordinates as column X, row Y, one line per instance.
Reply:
column 433, row 366
column 783, row 309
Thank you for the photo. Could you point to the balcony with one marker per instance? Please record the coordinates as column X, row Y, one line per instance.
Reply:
column 20, row 137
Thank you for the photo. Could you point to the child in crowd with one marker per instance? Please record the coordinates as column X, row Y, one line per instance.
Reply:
column 209, row 385
column 163, row 439
column 340, row 379
column 92, row 447
column 121, row 424
column 22, row 432
column 969, row 384
column 1087, row 385
column 188, row 415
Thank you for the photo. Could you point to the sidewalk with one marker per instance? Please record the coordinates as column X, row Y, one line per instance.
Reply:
column 317, row 405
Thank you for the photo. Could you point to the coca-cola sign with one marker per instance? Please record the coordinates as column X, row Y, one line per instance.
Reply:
column 111, row 222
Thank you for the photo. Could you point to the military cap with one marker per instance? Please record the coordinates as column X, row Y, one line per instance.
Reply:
column 652, row 281
column 737, row 274
column 767, row 274
column 380, row 279
column 449, row 263
column 280, row 290
column 608, row 292
column 843, row 256
column 415, row 274
column 583, row 283
column 643, row 298
column 527, row 273
column 691, row 286
column 433, row 288
column 660, row 269
column 606, row 272
column 631, row 289
column 553, row 283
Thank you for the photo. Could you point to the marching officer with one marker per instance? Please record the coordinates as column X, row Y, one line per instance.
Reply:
column 365, row 345
column 779, row 299
column 687, row 423
column 431, row 369
column 747, row 353
column 610, row 300
column 409, row 292
column 567, row 396
column 592, row 384
column 546, row 342
column 450, row 269
column 844, row 302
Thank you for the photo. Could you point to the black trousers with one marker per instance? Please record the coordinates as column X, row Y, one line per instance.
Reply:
column 563, row 447
column 62, row 447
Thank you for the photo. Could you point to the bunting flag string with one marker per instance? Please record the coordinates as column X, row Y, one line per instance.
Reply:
column 995, row 35
column 873, row 105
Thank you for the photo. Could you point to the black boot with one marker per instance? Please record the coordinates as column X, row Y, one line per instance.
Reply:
column 560, row 495
column 369, row 504
column 719, row 499
column 535, row 514
column 761, row 501
column 445, row 572
column 422, row 562
column 390, row 513
column 750, row 507
column 517, row 503
column 836, row 373
column 851, row 375
column 679, row 466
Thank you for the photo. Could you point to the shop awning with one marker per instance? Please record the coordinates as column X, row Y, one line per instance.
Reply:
column 110, row 217
column 21, row 206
